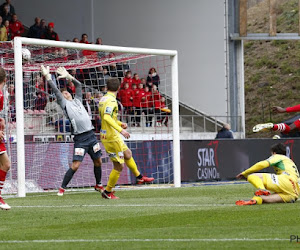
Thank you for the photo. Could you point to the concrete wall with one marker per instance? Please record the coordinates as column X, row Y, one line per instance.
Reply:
column 72, row 18
column 195, row 28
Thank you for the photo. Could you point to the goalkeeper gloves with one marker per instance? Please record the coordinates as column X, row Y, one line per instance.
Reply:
column 46, row 72
column 64, row 74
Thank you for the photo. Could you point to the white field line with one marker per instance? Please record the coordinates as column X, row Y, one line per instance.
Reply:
column 140, row 240
column 126, row 205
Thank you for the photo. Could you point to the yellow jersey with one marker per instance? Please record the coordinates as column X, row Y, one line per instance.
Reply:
column 110, row 126
column 281, row 164
column 284, row 165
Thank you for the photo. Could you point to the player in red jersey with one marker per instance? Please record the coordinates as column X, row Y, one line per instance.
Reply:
column 4, row 160
column 282, row 127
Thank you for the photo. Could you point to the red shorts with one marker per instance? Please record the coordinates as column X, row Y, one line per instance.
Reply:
column 2, row 148
column 297, row 123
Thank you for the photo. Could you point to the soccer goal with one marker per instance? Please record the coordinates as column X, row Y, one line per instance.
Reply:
column 39, row 141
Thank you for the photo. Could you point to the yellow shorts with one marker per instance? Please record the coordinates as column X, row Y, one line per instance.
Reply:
column 283, row 185
column 115, row 150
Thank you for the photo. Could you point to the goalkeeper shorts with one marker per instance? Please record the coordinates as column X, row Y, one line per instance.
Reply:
column 86, row 143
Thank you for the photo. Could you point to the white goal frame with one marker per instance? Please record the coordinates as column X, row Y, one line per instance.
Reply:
column 18, row 41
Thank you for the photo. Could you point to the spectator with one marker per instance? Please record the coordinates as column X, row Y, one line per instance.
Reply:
column 99, row 41
column 16, row 27
column 75, row 40
column 43, row 27
column 92, row 108
column 127, row 79
column 6, row 24
column 126, row 97
column 6, row 15
column 3, row 31
column 50, row 34
column 40, row 102
column 137, row 94
column 153, row 77
column 71, row 87
column 136, row 79
column 165, row 111
column 143, row 81
column 147, row 106
column 156, row 97
column 113, row 70
column 35, row 31
column 225, row 132
column 10, row 8
column 84, row 38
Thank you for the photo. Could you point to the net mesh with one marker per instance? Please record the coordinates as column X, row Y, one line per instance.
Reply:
column 48, row 141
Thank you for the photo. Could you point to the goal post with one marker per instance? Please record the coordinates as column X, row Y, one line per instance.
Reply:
column 19, row 95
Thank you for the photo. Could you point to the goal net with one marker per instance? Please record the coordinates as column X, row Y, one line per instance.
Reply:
column 38, row 135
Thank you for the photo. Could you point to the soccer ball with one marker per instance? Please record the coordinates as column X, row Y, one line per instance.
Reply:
column 26, row 54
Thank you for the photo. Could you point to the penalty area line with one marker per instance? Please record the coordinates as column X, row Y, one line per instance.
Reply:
column 138, row 240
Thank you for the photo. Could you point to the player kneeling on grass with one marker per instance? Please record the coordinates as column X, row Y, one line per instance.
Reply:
column 4, row 160
column 284, row 183
column 114, row 145
column 85, row 140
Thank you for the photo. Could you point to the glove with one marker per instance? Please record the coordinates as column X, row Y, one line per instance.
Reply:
column 64, row 74
column 46, row 72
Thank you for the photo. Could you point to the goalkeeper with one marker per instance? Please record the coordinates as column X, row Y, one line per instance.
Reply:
column 85, row 140
column 114, row 145
column 284, row 184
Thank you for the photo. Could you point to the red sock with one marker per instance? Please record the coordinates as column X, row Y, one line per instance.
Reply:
column 2, row 179
column 282, row 127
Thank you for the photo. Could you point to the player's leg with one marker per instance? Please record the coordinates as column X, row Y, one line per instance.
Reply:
column 131, row 164
column 258, row 181
column 114, row 150
column 281, row 127
column 4, row 167
column 273, row 198
column 112, row 180
column 95, row 154
column 68, row 177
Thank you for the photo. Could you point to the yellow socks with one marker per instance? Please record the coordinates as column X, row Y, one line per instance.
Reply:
column 256, row 181
column 113, row 179
column 132, row 166
column 258, row 199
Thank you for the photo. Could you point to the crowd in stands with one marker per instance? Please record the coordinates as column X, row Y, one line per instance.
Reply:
column 137, row 97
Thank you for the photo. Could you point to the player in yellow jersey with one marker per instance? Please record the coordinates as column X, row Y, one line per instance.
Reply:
column 284, row 184
column 111, row 139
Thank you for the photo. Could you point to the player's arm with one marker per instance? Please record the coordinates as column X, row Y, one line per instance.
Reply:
column 108, row 112
column 255, row 168
column 288, row 109
column 59, row 97
column 63, row 73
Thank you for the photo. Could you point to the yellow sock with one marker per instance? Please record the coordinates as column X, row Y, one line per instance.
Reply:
column 132, row 166
column 256, row 181
column 258, row 199
column 113, row 179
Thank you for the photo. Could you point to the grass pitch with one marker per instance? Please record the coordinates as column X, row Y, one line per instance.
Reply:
column 202, row 217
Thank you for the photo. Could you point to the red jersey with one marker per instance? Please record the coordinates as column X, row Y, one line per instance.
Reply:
column 137, row 96
column 143, row 97
column 156, row 99
column 16, row 29
column 149, row 100
column 128, row 80
column 126, row 96
column 1, row 100
column 137, row 82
